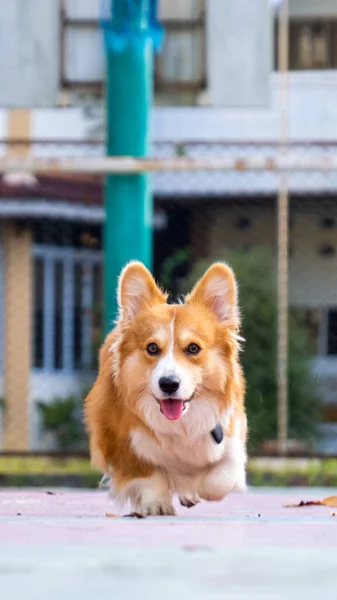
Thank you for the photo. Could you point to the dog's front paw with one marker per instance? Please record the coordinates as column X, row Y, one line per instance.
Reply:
column 155, row 509
column 222, row 480
column 189, row 500
column 151, row 497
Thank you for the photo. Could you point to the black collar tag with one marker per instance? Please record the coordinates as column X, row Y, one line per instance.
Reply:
column 217, row 433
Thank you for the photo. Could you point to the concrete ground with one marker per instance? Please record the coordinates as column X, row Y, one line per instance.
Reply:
column 61, row 544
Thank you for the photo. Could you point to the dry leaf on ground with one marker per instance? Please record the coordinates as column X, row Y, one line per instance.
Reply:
column 111, row 515
column 329, row 501
column 334, row 514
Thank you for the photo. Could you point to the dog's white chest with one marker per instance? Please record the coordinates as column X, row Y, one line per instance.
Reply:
column 177, row 453
column 185, row 445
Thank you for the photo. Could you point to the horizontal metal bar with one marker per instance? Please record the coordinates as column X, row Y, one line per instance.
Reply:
column 121, row 165
column 162, row 85
column 81, row 23
column 299, row 143
column 85, row 83
column 56, row 252
column 183, row 24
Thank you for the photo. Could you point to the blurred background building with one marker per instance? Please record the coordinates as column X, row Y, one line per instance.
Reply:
column 216, row 94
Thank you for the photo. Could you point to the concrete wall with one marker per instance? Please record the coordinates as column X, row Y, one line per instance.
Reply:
column 312, row 116
column 30, row 51
column 223, row 232
column 239, row 52
column 312, row 110
column 313, row 277
column 312, row 8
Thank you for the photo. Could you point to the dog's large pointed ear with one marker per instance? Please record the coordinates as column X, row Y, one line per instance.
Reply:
column 217, row 291
column 137, row 290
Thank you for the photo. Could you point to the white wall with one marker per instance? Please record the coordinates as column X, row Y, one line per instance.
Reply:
column 239, row 52
column 312, row 111
column 30, row 51
column 312, row 116
column 45, row 387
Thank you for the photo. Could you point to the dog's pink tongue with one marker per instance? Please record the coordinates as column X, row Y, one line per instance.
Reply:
column 172, row 409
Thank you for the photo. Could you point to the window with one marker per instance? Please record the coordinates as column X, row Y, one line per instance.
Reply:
column 321, row 325
column 326, row 250
column 243, row 223
column 67, row 308
column 82, row 63
column 332, row 331
column 312, row 44
column 327, row 222
column 181, row 64
column 179, row 67
column 311, row 319
column 61, row 233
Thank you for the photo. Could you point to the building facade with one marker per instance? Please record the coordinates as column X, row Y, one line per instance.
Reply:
column 50, row 276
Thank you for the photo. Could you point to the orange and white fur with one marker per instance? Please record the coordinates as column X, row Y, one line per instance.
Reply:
column 168, row 374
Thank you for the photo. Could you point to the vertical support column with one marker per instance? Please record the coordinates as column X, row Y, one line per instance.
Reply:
column 68, row 314
column 18, row 272
column 283, row 239
column 18, row 317
column 128, row 200
column 19, row 122
column 87, row 305
column 49, row 313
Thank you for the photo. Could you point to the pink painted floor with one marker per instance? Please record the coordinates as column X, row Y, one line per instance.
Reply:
column 256, row 519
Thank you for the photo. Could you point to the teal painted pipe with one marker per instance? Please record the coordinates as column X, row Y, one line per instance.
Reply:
column 128, row 200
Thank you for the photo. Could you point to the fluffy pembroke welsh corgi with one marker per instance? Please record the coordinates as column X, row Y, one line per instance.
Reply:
column 166, row 414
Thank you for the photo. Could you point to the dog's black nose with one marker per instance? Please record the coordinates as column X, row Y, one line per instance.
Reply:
column 169, row 385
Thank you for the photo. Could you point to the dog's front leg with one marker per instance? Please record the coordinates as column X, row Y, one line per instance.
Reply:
column 224, row 478
column 150, row 496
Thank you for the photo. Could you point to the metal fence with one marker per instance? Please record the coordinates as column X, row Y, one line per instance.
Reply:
column 215, row 201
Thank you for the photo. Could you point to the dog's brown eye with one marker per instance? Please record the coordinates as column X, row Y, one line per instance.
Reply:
column 152, row 349
column 193, row 349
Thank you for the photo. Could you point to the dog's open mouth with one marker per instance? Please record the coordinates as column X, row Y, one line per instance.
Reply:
column 172, row 408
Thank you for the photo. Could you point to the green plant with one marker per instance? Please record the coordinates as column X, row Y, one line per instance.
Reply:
column 2, row 403
column 180, row 150
column 63, row 418
column 256, row 275
column 171, row 267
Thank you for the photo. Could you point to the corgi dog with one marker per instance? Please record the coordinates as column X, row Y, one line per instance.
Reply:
column 166, row 414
